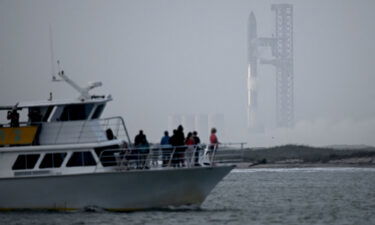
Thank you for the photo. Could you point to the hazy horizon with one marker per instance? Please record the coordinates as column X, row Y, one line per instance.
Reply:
column 164, row 57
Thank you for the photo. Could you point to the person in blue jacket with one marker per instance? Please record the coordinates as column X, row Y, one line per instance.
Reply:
column 165, row 148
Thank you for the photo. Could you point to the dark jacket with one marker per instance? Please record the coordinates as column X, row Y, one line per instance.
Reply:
column 172, row 140
column 140, row 139
column 180, row 138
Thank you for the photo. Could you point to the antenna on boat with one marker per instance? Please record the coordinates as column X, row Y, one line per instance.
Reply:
column 85, row 95
column 52, row 55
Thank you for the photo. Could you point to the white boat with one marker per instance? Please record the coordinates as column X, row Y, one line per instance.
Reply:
column 66, row 157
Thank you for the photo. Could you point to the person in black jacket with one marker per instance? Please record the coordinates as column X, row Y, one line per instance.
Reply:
column 197, row 142
column 173, row 142
column 139, row 138
column 14, row 118
column 141, row 149
column 180, row 143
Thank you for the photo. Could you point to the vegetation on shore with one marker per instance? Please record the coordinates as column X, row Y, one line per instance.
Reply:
column 295, row 154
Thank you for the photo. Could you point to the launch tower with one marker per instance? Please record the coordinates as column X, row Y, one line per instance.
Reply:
column 281, row 45
column 284, row 65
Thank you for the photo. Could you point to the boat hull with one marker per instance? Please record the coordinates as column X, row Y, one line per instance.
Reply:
column 123, row 191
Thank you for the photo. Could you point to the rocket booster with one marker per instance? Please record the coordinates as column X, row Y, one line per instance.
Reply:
column 252, row 72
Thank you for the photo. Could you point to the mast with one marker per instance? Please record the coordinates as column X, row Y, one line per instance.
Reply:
column 52, row 55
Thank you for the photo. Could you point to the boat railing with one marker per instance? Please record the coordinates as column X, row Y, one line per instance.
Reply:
column 80, row 131
column 157, row 156
column 125, row 157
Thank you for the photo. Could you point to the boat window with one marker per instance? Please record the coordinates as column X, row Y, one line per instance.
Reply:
column 76, row 112
column 47, row 114
column 81, row 159
column 52, row 160
column 98, row 111
column 56, row 113
column 25, row 162
column 39, row 114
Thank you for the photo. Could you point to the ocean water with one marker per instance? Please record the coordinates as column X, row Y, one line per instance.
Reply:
column 250, row 196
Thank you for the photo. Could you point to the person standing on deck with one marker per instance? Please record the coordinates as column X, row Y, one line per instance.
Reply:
column 189, row 142
column 14, row 118
column 214, row 143
column 173, row 142
column 142, row 150
column 197, row 142
column 180, row 143
column 165, row 148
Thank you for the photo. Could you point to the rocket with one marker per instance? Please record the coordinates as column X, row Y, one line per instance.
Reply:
column 252, row 97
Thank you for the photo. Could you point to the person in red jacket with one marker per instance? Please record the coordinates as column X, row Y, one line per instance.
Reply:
column 190, row 148
column 214, row 143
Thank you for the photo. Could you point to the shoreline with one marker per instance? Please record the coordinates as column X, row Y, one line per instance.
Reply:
column 299, row 156
column 302, row 165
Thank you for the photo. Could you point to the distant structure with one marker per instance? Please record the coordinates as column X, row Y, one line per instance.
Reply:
column 188, row 122
column 281, row 45
column 201, row 126
column 253, row 122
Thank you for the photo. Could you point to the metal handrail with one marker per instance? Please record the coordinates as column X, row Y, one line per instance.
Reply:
column 126, row 130
column 177, row 156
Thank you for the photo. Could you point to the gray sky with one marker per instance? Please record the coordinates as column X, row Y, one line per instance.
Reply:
column 159, row 57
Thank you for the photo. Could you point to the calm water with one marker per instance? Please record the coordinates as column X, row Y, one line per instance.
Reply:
column 256, row 196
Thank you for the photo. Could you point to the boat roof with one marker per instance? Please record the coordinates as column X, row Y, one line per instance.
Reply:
column 28, row 104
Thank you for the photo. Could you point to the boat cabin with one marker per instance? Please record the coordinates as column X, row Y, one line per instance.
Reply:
column 60, row 137
column 51, row 122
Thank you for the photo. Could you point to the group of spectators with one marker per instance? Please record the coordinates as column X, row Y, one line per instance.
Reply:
column 178, row 150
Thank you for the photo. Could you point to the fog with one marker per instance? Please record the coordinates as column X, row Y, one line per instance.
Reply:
column 163, row 57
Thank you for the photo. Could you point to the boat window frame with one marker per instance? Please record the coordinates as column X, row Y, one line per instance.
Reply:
column 97, row 111
column 56, row 113
column 45, row 112
column 59, row 164
column 73, row 112
column 92, row 161
column 34, row 161
column 59, row 110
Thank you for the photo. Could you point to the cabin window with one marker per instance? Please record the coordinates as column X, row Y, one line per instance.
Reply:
column 76, row 112
column 39, row 114
column 81, row 159
column 52, row 160
column 98, row 111
column 56, row 113
column 25, row 162
column 47, row 114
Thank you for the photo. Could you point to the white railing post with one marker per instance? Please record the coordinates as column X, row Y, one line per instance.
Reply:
column 171, row 157
column 81, row 132
column 213, row 154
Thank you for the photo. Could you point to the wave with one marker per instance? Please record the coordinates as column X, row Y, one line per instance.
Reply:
column 309, row 170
